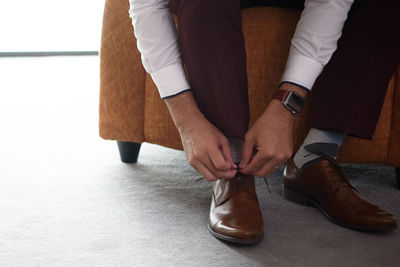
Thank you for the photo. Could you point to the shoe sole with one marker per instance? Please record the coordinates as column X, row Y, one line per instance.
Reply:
column 298, row 198
column 247, row 241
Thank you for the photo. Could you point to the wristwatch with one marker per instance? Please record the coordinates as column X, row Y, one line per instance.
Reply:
column 291, row 100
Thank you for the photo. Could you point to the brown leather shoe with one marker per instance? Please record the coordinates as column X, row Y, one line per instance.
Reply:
column 325, row 186
column 235, row 215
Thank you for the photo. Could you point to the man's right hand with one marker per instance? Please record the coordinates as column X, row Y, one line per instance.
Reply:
column 206, row 148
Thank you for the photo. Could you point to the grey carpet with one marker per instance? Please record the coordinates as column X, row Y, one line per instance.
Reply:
column 67, row 200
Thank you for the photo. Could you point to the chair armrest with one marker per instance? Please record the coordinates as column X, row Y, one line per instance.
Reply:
column 122, row 77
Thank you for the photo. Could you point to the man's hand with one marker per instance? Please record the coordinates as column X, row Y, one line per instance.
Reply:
column 206, row 148
column 268, row 144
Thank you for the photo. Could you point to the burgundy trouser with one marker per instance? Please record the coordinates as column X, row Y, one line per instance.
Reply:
column 349, row 93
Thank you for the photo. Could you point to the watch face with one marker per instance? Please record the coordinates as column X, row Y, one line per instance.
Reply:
column 294, row 102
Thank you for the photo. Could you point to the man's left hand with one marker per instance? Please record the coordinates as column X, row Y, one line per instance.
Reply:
column 268, row 143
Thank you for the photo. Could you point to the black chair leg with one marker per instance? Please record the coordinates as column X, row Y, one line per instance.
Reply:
column 128, row 151
column 398, row 176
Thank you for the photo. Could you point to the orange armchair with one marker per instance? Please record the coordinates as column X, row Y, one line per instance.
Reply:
column 132, row 112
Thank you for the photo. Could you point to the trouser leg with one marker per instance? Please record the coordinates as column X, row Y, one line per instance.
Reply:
column 349, row 93
column 213, row 51
column 296, row 4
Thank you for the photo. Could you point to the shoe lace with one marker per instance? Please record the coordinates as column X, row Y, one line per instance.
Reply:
column 238, row 180
column 343, row 171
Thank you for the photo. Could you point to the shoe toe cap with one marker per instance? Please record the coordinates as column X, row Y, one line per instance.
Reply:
column 380, row 220
column 239, row 229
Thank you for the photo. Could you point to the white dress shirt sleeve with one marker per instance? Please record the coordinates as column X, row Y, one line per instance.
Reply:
column 315, row 39
column 157, row 41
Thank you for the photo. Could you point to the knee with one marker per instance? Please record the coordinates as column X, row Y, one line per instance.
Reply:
column 204, row 7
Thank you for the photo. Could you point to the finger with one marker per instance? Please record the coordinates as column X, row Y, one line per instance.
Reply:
column 247, row 151
column 269, row 167
column 218, row 160
column 204, row 171
column 217, row 173
column 226, row 151
column 256, row 163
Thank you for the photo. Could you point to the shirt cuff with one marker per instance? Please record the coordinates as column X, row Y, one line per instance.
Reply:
column 301, row 69
column 170, row 80
column 299, row 85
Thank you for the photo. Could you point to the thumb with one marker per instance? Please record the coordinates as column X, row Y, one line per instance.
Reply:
column 247, row 151
column 226, row 151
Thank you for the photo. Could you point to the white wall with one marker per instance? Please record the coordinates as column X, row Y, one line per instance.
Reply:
column 50, row 25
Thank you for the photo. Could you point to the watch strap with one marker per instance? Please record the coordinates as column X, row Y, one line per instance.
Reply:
column 280, row 94
column 286, row 97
